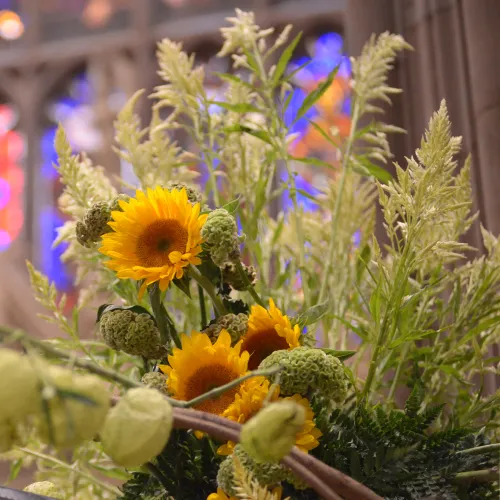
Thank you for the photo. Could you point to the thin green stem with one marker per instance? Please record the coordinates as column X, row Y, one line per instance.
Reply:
column 64, row 465
column 479, row 450
column 338, row 202
column 163, row 320
column 203, row 307
column 478, row 476
column 207, row 285
column 248, row 286
column 215, row 393
column 395, row 380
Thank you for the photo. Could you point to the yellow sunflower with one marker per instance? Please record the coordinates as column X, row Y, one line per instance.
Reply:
column 200, row 366
column 268, row 331
column 247, row 402
column 220, row 495
column 156, row 235
column 307, row 438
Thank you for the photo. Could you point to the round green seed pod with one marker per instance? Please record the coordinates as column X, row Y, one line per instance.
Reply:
column 137, row 428
column 266, row 473
column 155, row 380
column 225, row 476
column 133, row 333
column 235, row 324
column 305, row 369
column 220, row 233
column 45, row 488
column 270, row 435
column 231, row 276
column 192, row 195
column 19, row 385
column 77, row 406
column 94, row 224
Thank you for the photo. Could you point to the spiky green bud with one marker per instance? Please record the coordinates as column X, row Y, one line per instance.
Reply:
column 266, row 473
column 235, row 324
column 137, row 428
column 220, row 233
column 94, row 224
column 155, row 380
column 73, row 407
column 193, row 195
column 307, row 369
column 45, row 488
column 19, row 385
column 232, row 277
column 133, row 333
column 270, row 435
column 225, row 476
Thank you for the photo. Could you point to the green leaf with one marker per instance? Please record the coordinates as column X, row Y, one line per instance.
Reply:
column 451, row 370
column 362, row 262
column 111, row 471
column 414, row 401
column 485, row 325
column 305, row 194
column 232, row 206
column 241, row 107
column 296, row 70
column 342, row 355
column 323, row 132
column 358, row 330
column 105, row 308
column 375, row 304
column 315, row 95
column 15, row 468
column 312, row 315
column 233, row 78
column 260, row 134
column 283, row 61
column 412, row 337
column 316, row 162
column 369, row 169
column 183, row 284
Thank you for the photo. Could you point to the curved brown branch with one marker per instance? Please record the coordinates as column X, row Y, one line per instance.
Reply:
column 325, row 480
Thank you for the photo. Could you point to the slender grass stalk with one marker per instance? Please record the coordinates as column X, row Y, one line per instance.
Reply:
column 203, row 308
column 210, row 289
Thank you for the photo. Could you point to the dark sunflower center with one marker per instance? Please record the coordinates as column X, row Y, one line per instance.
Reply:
column 261, row 344
column 207, row 378
column 158, row 240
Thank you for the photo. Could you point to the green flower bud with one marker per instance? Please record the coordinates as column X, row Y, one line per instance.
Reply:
column 76, row 406
column 133, row 333
column 220, row 233
column 235, row 324
column 19, row 385
column 8, row 436
column 225, row 476
column 231, row 276
column 270, row 435
column 266, row 473
column 155, row 380
column 45, row 488
column 94, row 224
column 193, row 195
column 137, row 428
column 307, row 369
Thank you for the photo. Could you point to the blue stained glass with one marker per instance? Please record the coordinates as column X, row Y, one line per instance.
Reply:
column 49, row 156
column 52, row 266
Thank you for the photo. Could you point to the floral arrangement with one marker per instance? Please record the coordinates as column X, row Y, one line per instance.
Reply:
column 245, row 352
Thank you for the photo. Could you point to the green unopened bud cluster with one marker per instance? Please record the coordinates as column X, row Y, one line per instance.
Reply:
column 220, row 233
column 155, row 380
column 133, row 333
column 95, row 221
column 266, row 473
column 192, row 195
column 137, row 429
column 232, row 277
column 306, row 369
column 235, row 324
column 270, row 435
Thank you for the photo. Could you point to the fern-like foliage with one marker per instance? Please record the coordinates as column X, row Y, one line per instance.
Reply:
column 188, row 468
column 394, row 453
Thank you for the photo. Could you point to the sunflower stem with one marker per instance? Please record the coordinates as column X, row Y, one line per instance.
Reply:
column 215, row 393
column 203, row 306
column 163, row 320
column 207, row 285
column 248, row 286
